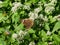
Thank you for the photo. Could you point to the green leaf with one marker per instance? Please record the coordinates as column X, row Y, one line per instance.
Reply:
column 56, row 38
column 15, row 18
column 19, row 27
column 1, row 30
column 12, row 40
column 2, row 42
column 44, row 1
column 31, row 31
column 56, row 27
column 5, row 3
column 43, row 35
column 58, row 32
column 52, row 19
column 47, row 26
column 27, row 36
column 42, row 43
column 34, row 1
column 34, row 36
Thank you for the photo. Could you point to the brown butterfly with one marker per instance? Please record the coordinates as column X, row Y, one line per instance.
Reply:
column 28, row 23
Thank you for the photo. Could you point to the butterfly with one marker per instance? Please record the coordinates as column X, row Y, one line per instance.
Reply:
column 28, row 23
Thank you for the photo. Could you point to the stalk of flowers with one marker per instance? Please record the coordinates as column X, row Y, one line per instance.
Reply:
column 21, row 34
column 34, row 15
column 49, row 7
column 51, row 3
column 42, row 19
column 16, row 6
column 37, row 10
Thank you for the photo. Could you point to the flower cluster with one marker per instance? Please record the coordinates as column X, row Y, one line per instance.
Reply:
column 50, row 7
column 14, row 35
column 44, row 18
column 26, row 7
column 33, row 15
column 16, row 6
column 20, row 35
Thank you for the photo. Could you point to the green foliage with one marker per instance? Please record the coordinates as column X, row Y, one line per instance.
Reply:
column 56, row 27
column 15, row 18
column 42, row 43
column 47, row 26
column 14, row 32
column 31, row 31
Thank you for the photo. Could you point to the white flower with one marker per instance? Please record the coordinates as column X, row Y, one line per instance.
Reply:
column 48, row 33
column 50, row 43
column 13, row 9
column 49, row 9
column 49, row 4
column 16, row 5
column 57, row 17
column 32, row 43
column 14, row 35
column 52, row 3
column 37, row 10
column 33, row 16
column 41, row 16
column 26, row 7
column 22, row 34
column 45, row 18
